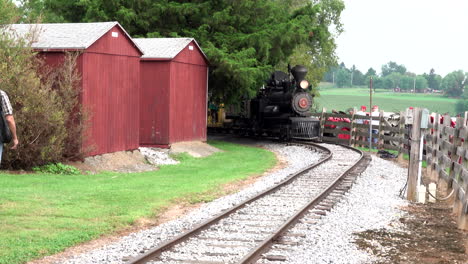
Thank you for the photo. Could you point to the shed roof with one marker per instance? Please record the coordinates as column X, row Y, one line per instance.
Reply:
column 164, row 48
column 67, row 35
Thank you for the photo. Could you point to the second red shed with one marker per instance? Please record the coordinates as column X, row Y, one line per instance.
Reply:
column 174, row 86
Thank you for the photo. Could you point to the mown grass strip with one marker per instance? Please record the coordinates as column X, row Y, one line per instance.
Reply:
column 344, row 98
column 42, row 214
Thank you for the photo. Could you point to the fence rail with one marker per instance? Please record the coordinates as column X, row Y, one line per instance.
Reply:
column 445, row 147
column 355, row 130
column 447, row 159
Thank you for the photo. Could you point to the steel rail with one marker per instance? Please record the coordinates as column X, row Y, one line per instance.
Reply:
column 255, row 254
column 155, row 252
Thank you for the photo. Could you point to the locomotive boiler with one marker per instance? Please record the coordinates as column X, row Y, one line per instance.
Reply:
column 281, row 109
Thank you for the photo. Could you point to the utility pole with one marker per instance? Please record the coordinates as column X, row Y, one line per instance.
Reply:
column 414, row 85
column 333, row 78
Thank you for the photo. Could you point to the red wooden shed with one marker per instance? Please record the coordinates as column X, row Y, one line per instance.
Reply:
column 110, row 84
column 174, row 84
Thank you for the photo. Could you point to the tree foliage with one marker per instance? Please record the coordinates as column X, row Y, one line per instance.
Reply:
column 343, row 78
column 454, row 83
column 392, row 67
column 44, row 101
column 371, row 72
column 244, row 40
column 433, row 79
column 8, row 12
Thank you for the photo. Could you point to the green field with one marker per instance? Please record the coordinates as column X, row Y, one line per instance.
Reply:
column 344, row 98
column 42, row 214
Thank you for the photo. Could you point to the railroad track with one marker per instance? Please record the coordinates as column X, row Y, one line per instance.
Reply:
column 259, row 229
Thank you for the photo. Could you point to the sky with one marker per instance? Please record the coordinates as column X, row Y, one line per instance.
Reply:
column 420, row 34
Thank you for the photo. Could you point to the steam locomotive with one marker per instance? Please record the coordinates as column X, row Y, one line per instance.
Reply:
column 281, row 109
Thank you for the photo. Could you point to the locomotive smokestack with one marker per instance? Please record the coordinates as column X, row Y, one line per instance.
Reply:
column 299, row 72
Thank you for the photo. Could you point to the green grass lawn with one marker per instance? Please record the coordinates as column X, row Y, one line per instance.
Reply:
column 43, row 214
column 343, row 98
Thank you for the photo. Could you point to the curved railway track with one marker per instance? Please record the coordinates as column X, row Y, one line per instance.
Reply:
column 258, row 230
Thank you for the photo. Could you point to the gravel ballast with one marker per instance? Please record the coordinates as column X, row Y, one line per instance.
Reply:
column 371, row 203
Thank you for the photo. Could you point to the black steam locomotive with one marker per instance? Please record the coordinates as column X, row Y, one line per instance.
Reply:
column 281, row 109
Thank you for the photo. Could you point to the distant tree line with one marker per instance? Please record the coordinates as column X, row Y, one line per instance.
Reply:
column 396, row 76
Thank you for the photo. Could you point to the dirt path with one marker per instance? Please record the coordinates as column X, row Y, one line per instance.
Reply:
column 427, row 234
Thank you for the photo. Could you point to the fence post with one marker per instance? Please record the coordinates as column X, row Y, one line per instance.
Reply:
column 380, row 140
column 444, row 186
column 463, row 217
column 455, row 167
column 352, row 135
column 435, row 149
column 401, row 133
column 414, row 156
column 429, row 133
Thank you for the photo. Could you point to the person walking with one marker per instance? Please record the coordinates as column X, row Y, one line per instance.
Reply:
column 8, row 112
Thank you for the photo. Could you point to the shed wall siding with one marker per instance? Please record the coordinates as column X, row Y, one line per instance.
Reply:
column 111, row 96
column 154, row 109
column 188, row 107
column 120, row 45
column 194, row 56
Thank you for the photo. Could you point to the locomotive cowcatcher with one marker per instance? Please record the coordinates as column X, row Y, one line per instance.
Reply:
column 281, row 109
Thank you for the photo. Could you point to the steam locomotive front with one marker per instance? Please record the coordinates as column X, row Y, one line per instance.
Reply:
column 301, row 100
column 283, row 106
column 284, row 95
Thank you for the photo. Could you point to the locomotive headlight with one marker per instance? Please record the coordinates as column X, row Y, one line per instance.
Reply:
column 304, row 84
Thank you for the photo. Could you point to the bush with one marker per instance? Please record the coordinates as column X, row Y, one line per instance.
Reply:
column 57, row 168
column 45, row 104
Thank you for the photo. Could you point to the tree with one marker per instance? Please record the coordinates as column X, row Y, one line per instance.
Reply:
column 433, row 80
column 244, row 40
column 8, row 12
column 392, row 81
column 454, row 83
column 359, row 78
column 330, row 74
column 406, row 82
column 377, row 82
column 392, row 67
column 371, row 72
column 343, row 78
column 44, row 101
column 420, row 83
